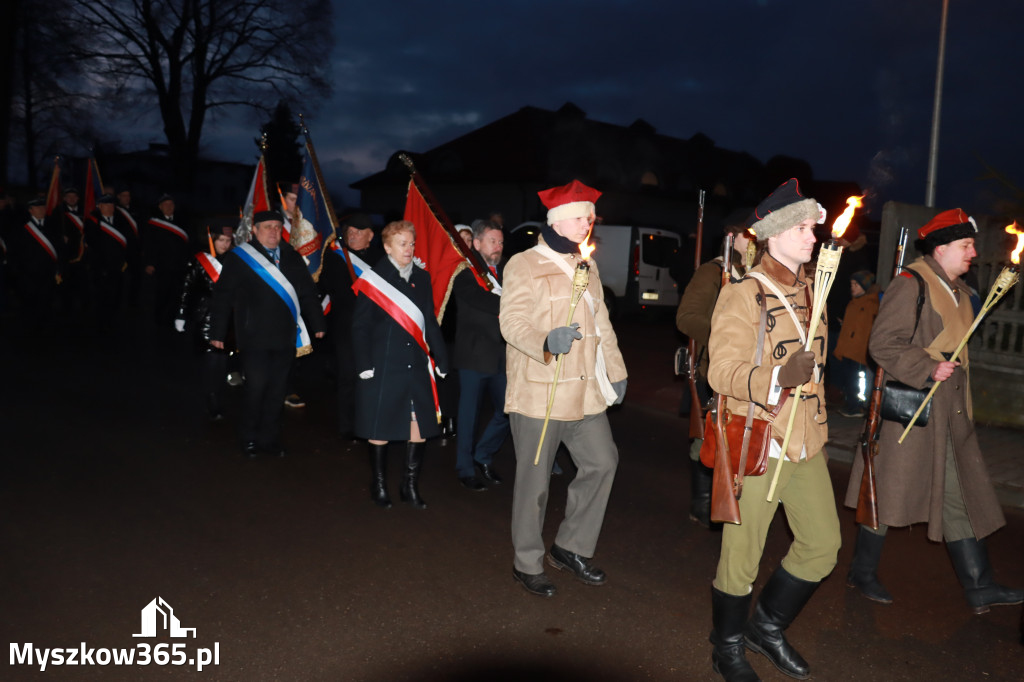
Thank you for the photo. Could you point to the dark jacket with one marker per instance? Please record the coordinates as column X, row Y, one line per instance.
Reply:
column 401, row 379
column 106, row 253
column 479, row 345
column 166, row 251
column 30, row 260
column 336, row 282
column 262, row 319
column 196, row 294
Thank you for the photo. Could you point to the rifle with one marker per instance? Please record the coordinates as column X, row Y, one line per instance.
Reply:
column 867, row 498
column 725, row 507
column 696, row 407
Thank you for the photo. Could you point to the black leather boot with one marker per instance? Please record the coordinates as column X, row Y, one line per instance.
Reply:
column 781, row 600
column 379, row 484
column 410, row 481
column 864, row 568
column 970, row 559
column 700, row 493
column 729, row 657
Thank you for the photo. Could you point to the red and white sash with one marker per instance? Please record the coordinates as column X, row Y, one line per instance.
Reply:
column 211, row 265
column 130, row 219
column 113, row 232
column 41, row 238
column 75, row 220
column 403, row 311
column 170, row 227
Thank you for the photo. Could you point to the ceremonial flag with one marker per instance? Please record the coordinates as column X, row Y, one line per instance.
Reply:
column 312, row 225
column 53, row 196
column 437, row 245
column 256, row 201
column 93, row 187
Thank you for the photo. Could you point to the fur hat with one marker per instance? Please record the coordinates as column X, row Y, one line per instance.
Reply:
column 783, row 209
column 944, row 228
column 574, row 200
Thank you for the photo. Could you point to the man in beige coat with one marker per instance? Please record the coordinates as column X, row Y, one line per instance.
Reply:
column 785, row 220
column 534, row 305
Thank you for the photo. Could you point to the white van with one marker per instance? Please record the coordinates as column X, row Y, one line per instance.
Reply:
column 634, row 263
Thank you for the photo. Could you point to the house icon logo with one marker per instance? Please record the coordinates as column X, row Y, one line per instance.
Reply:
column 158, row 615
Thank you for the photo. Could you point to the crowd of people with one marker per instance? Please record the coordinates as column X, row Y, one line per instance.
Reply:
column 512, row 352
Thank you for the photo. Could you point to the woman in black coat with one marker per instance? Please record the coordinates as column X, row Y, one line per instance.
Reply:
column 394, row 397
column 194, row 314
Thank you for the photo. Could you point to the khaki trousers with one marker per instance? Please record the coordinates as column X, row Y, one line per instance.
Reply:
column 805, row 491
column 592, row 449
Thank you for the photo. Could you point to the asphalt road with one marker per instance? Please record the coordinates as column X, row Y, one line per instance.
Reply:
column 116, row 491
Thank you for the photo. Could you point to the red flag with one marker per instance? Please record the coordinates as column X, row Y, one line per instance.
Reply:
column 93, row 187
column 436, row 252
column 53, row 194
column 256, row 201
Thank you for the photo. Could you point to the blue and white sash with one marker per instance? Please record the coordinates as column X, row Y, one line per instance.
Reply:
column 276, row 280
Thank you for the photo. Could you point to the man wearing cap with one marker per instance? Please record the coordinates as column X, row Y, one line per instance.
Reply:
column 38, row 258
column 133, row 274
column 276, row 310
column 480, row 359
column 784, row 222
column 535, row 302
column 201, row 275
column 107, row 234
column 167, row 248
column 693, row 318
column 336, row 282
column 937, row 475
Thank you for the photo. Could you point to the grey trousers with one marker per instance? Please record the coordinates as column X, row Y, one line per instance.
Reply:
column 592, row 449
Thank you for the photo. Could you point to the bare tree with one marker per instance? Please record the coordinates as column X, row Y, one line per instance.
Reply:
column 201, row 56
column 49, row 106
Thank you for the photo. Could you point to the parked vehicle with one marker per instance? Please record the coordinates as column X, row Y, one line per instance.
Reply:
column 634, row 263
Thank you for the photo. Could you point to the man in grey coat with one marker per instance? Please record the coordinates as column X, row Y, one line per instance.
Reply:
column 937, row 475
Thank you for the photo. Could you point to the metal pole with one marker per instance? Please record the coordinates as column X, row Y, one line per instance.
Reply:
column 933, row 152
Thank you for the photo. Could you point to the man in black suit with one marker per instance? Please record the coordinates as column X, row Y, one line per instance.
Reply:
column 268, row 286
column 107, row 234
column 37, row 256
column 335, row 280
column 480, row 359
column 168, row 246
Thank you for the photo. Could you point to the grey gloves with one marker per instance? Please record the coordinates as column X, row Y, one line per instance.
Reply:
column 620, row 391
column 798, row 370
column 560, row 339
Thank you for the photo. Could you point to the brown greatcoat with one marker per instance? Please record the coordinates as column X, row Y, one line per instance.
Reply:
column 734, row 343
column 534, row 300
column 910, row 477
column 852, row 340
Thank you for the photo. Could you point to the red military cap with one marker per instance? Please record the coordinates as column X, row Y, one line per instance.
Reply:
column 574, row 200
column 948, row 226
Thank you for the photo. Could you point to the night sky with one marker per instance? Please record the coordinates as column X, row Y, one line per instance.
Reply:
column 848, row 86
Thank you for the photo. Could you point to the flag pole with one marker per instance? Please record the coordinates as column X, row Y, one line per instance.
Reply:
column 327, row 200
column 442, row 217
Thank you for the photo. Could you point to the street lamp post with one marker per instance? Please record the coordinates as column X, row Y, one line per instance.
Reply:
column 933, row 152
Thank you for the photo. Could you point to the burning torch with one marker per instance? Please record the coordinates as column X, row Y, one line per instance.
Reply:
column 824, row 274
column 1004, row 282
column 580, row 280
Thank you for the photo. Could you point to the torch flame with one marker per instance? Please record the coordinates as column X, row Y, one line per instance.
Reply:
column 843, row 221
column 586, row 248
column 1013, row 229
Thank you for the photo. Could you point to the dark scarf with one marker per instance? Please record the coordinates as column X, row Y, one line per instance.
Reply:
column 557, row 242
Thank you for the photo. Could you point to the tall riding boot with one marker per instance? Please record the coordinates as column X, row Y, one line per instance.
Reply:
column 729, row 658
column 379, row 485
column 410, row 482
column 700, row 493
column 781, row 600
column 970, row 559
column 864, row 568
